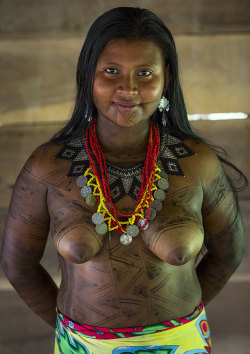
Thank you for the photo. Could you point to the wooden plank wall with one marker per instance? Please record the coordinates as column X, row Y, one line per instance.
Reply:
column 40, row 43
column 59, row 17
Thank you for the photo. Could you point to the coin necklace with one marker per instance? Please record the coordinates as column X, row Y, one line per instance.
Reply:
column 94, row 185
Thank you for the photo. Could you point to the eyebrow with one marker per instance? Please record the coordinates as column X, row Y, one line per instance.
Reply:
column 112, row 63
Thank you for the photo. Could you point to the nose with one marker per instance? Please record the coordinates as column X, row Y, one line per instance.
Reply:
column 127, row 85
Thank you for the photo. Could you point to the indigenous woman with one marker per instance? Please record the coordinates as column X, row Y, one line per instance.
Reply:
column 130, row 195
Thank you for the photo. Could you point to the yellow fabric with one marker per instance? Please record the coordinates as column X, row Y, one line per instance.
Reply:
column 192, row 337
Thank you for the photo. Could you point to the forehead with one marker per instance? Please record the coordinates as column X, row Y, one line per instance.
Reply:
column 131, row 51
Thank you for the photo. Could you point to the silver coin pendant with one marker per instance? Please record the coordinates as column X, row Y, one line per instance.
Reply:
column 160, row 195
column 86, row 190
column 141, row 222
column 163, row 184
column 157, row 205
column 90, row 200
column 101, row 229
column 132, row 230
column 163, row 174
column 152, row 213
column 125, row 239
column 97, row 218
column 81, row 181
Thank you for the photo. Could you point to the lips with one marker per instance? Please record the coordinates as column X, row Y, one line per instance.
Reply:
column 125, row 106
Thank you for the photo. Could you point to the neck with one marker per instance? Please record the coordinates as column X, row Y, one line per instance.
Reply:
column 123, row 146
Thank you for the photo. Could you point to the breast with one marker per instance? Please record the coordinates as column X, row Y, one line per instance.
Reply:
column 71, row 227
column 176, row 244
column 78, row 243
column 175, row 236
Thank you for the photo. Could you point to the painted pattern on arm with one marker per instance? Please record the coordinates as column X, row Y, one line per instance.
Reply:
column 25, row 237
column 224, row 239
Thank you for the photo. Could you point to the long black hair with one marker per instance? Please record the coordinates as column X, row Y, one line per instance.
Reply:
column 131, row 23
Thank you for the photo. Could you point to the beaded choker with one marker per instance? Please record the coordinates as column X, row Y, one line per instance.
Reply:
column 146, row 183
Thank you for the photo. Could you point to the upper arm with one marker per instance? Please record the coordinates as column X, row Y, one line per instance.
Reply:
column 222, row 221
column 27, row 223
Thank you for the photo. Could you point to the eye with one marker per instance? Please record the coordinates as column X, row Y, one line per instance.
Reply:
column 111, row 71
column 145, row 73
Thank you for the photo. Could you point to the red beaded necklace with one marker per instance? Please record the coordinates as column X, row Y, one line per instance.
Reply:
column 99, row 169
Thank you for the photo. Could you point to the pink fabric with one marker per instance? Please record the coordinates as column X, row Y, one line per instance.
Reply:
column 112, row 333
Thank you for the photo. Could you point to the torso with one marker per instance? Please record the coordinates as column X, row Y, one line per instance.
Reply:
column 107, row 284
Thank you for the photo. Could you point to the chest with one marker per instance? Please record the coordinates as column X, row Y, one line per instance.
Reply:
column 174, row 225
column 174, row 235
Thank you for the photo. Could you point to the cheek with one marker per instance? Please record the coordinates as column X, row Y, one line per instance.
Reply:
column 103, row 89
column 152, row 91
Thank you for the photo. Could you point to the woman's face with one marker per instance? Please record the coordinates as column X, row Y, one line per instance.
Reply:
column 129, row 81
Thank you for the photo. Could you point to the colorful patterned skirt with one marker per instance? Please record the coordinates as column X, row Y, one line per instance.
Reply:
column 189, row 334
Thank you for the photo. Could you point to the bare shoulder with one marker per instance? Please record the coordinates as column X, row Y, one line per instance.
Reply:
column 205, row 164
column 42, row 163
column 218, row 198
column 204, row 152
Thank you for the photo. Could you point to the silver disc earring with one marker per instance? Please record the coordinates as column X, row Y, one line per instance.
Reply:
column 88, row 116
column 163, row 107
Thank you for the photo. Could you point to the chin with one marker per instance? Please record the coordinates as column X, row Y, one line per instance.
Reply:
column 128, row 120
column 126, row 123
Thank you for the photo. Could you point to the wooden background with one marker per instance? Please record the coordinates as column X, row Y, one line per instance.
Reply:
column 39, row 46
column 40, row 42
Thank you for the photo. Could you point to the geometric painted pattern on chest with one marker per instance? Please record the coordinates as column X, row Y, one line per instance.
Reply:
column 126, row 181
